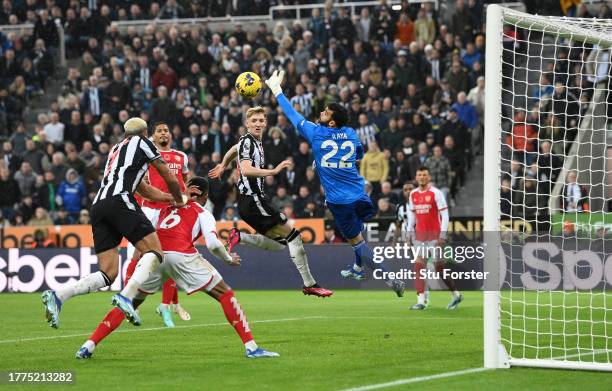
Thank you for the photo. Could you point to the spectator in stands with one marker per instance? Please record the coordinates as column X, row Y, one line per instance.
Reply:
column 26, row 179
column 43, row 60
column 25, row 209
column 10, row 193
column 549, row 166
column 386, row 191
column 84, row 217
column 404, row 29
column 19, row 139
column 58, row 167
column 367, row 131
column 33, row 156
column 171, row 10
column 399, row 169
column 522, row 140
column 374, row 167
column 457, row 163
column 457, row 78
column 574, row 196
column 40, row 219
column 329, row 235
column 165, row 76
column 385, row 209
column 477, row 98
column 63, row 218
column 468, row 115
column 93, row 100
column 10, row 159
column 527, row 203
column 164, row 110
column 419, row 159
column 424, row 28
column 71, row 193
column 45, row 192
column 440, row 171
column 45, row 29
column 54, row 130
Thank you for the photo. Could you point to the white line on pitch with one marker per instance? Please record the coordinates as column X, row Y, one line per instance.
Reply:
column 220, row 324
column 158, row 328
column 417, row 379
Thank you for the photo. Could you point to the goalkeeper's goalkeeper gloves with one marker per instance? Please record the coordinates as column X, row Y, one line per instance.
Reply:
column 274, row 82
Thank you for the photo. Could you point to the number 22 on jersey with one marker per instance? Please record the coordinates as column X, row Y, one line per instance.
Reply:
column 343, row 163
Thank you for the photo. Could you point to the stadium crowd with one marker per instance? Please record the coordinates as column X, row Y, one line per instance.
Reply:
column 539, row 134
column 412, row 82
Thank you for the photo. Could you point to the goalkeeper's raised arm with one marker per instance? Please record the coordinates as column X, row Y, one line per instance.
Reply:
column 301, row 124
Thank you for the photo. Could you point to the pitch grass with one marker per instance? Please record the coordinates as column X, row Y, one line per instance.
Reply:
column 353, row 339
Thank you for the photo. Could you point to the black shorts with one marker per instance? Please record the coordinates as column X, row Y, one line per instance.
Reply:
column 259, row 214
column 115, row 218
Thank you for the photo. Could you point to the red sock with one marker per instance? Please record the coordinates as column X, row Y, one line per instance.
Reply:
column 448, row 281
column 419, row 282
column 235, row 316
column 130, row 270
column 168, row 291
column 111, row 321
column 175, row 297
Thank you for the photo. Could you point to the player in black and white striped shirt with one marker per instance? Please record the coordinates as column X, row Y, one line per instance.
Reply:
column 275, row 230
column 115, row 214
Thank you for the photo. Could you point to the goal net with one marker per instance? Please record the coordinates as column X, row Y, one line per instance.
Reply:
column 548, row 180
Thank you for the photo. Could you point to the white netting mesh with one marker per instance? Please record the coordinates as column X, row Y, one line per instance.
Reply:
column 556, row 187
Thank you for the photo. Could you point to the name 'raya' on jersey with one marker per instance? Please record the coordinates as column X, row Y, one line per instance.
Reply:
column 336, row 152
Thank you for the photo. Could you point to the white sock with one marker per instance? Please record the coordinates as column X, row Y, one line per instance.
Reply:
column 89, row 283
column 261, row 241
column 456, row 294
column 148, row 264
column 299, row 258
column 251, row 345
column 90, row 345
column 421, row 299
column 357, row 268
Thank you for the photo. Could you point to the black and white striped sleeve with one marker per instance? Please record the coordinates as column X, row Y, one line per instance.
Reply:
column 149, row 149
column 399, row 215
column 245, row 149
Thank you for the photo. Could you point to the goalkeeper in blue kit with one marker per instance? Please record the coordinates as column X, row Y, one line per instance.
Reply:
column 337, row 148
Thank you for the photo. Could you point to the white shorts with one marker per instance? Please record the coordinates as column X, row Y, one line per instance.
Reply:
column 151, row 213
column 426, row 249
column 191, row 272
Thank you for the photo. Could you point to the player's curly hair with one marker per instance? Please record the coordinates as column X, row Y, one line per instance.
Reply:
column 339, row 114
column 200, row 183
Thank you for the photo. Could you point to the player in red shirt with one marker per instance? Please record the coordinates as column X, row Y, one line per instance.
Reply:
column 178, row 228
column 427, row 227
column 177, row 163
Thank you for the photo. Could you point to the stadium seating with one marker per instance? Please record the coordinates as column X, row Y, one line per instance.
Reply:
column 408, row 78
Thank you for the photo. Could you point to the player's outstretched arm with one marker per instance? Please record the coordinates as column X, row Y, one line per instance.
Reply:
column 153, row 194
column 247, row 169
column 301, row 124
column 230, row 155
column 170, row 179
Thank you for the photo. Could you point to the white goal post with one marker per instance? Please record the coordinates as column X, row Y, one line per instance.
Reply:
column 538, row 83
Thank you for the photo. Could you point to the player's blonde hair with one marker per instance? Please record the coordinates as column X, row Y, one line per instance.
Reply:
column 134, row 126
column 255, row 110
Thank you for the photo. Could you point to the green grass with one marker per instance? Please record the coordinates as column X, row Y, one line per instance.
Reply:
column 353, row 339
